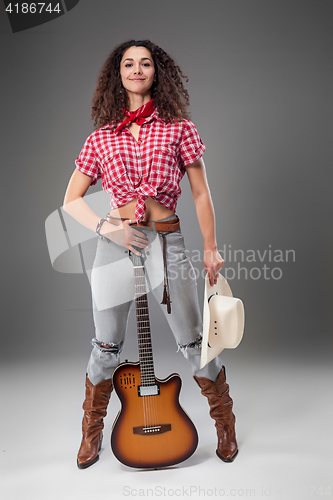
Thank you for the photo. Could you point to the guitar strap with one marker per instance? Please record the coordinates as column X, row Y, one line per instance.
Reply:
column 166, row 292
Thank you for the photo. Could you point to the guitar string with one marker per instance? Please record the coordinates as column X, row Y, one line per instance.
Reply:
column 149, row 402
column 139, row 301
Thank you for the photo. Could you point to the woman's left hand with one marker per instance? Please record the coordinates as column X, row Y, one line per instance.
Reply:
column 212, row 263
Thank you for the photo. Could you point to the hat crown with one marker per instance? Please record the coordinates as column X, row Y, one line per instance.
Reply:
column 223, row 319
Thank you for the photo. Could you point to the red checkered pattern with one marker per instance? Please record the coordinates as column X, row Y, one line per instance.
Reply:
column 152, row 166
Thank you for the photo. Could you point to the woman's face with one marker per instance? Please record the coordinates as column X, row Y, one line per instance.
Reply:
column 137, row 70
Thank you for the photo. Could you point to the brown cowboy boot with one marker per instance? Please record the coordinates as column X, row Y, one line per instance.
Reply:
column 220, row 404
column 95, row 405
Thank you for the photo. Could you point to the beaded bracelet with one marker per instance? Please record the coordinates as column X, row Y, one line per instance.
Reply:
column 98, row 228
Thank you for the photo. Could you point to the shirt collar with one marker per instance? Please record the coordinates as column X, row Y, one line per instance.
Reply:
column 154, row 116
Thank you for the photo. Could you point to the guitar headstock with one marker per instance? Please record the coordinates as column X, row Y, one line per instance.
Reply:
column 138, row 260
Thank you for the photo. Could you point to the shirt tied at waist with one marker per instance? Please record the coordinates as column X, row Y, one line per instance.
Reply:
column 143, row 192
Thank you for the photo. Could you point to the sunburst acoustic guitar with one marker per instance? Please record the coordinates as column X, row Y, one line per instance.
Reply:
column 151, row 429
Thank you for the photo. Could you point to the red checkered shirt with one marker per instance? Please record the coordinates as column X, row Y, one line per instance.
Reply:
column 152, row 166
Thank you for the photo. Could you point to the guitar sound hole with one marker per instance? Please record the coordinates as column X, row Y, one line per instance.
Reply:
column 127, row 380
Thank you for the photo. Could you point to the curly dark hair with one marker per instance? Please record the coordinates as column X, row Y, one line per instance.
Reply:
column 110, row 98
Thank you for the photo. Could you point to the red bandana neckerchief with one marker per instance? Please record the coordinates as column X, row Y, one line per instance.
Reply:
column 138, row 116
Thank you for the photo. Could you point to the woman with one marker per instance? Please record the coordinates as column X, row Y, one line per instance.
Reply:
column 143, row 147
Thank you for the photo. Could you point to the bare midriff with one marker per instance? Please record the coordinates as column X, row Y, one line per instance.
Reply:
column 154, row 210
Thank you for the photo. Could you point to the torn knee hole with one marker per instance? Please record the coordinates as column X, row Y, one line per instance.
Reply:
column 111, row 348
column 106, row 346
column 195, row 344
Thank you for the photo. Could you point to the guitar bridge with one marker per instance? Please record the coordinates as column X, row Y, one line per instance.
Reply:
column 154, row 429
column 148, row 390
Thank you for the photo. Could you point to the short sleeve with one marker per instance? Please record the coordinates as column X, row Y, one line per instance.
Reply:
column 191, row 147
column 86, row 161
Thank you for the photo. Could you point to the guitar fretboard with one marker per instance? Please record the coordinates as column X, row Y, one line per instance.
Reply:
column 143, row 325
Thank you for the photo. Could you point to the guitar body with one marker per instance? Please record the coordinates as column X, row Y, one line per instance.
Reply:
column 151, row 430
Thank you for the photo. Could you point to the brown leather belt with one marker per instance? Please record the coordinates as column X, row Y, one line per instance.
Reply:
column 164, row 226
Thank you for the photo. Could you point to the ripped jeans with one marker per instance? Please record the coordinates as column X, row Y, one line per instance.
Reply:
column 112, row 286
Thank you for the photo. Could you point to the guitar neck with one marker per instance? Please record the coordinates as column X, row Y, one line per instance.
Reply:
column 143, row 327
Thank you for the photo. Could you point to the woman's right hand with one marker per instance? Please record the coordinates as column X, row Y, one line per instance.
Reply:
column 74, row 204
column 125, row 235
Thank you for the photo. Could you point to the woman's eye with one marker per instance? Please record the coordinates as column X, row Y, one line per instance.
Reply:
column 128, row 65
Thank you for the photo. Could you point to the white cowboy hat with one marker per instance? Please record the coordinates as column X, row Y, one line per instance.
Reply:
column 223, row 320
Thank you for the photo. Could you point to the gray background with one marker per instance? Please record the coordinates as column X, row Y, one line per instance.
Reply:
column 260, row 86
